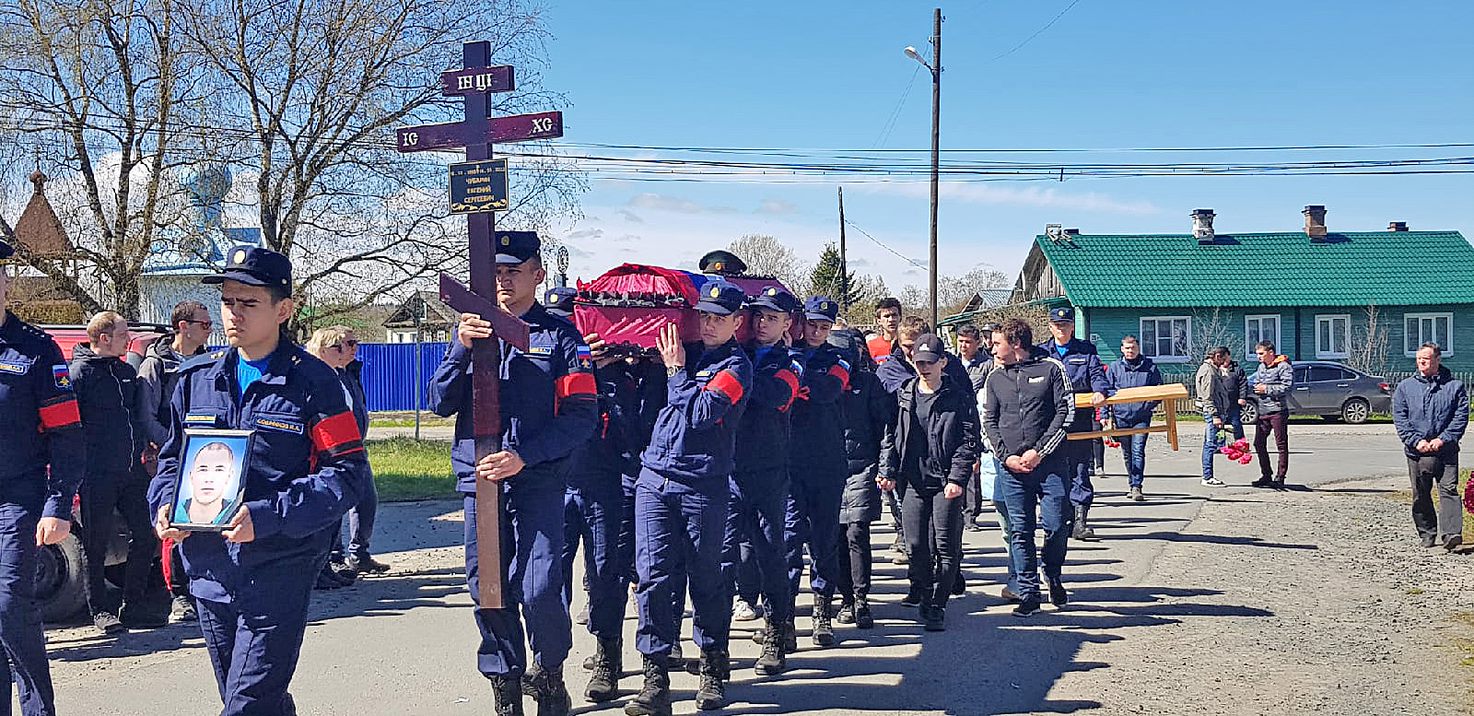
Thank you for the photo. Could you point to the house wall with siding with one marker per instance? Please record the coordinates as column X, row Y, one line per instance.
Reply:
column 1112, row 324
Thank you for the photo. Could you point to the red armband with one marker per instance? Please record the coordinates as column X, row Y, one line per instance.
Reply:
column 60, row 414
column 727, row 384
column 791, row 381
column 337, row 435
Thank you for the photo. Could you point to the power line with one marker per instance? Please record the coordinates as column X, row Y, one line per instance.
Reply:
column 882, row 245
column 1038, row 32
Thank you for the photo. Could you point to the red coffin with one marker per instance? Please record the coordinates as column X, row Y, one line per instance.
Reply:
column 628, row 305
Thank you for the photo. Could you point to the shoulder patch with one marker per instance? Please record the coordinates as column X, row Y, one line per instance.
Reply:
column 17, row 367
column 61, row 377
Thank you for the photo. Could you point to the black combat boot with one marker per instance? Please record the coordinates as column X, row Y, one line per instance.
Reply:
column 863, row 618
column 772, row 660
column 654, row 696
column 712, row 694
column 608, row 666
column 530, row 677
column 823, row 630
column 507, row 694
column 790, row 637
column 846, row 613
column 1083, row 530
column 551, row 693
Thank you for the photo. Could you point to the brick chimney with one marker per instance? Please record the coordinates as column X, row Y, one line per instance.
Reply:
column 1397, row 226
column 1315, row 221
column 1203, row 225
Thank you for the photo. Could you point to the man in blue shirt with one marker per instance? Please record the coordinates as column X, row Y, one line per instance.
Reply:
column 253, row 581
column 1087, row 375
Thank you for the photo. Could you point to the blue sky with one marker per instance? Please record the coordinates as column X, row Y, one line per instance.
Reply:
column 829, row 75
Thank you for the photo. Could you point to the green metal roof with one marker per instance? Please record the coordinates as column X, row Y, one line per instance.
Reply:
column 1387, row 268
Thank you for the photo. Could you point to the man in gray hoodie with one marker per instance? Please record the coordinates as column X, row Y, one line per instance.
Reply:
column 1431, row 412
column 1272, row 383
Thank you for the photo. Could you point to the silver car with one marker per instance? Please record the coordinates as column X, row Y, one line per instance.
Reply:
column 1334, row 391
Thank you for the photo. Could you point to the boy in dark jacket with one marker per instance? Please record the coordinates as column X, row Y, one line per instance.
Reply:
column 107, row 396
column 868, row 411
column 1027, row 402
column 929, row 452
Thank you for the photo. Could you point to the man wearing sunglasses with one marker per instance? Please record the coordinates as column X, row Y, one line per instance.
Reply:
column 190, row 327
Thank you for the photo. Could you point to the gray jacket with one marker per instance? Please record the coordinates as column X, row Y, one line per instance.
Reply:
column 1277, row 378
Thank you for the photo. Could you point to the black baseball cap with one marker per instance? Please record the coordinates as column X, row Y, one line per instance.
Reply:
column 515, row 247
column 821, row 308
column 928, row 349
column 774, row 298
column 721, row 298
column 255, row 266
column 559, row 300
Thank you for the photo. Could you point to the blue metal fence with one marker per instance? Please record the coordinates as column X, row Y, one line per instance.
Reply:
column 389, row 377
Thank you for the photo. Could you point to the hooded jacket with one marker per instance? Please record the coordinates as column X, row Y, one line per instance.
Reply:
column 1133, row 374
column 157, row 376
column 107, row 397
column 951, row 437
column 1277, row 378
column 1424, row 408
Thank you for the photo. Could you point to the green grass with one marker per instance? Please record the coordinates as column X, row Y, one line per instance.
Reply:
column 406, row 419
column 1468, row 518
column 406, row 469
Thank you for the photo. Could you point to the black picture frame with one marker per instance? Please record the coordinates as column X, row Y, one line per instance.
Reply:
column 219, row 477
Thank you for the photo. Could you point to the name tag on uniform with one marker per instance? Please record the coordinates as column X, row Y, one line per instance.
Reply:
column 14, row 366
column 539, row 350
column 280, row 424
column 704, row 374
column 200, row 420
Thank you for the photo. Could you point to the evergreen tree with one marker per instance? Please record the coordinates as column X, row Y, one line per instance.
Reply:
column 826, row 279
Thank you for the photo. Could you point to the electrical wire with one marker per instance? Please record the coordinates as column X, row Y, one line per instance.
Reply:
column 1037, row 33
column 882, row 245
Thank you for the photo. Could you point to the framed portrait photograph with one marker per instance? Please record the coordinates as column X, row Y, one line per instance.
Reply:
column 211, row 478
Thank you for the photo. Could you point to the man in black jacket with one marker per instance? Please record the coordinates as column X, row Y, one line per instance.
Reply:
column 1431, row 412
column 929, row 452
column 190, row 326
column 107, row 396
column 1027, row 402
column 868, row 410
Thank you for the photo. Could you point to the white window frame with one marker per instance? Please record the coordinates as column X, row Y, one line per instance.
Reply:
column 1249, row 345
column 1187, row 339
column 1448, row 350
column 1322, row 351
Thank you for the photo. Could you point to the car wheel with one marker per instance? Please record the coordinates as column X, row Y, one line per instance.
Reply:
column 61, row 579
column 1249, row 412
column 1356, row 411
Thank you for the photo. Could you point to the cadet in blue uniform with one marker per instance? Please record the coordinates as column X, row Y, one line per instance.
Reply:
column 41, row 462
column 1087, row 375
column 253, row 581
column 682, row 494
column 548, row 409
column 818, row 472
column 760, row 479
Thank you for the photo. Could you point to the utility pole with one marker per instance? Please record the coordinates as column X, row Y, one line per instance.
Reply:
column 936, row 150
column 844, row 266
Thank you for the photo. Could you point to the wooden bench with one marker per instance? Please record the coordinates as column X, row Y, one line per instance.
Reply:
column 1145, row 394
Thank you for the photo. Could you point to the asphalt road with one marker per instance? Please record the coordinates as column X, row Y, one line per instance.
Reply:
column 404, row 643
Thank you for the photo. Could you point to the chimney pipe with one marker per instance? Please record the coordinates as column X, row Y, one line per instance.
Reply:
column 1203, row 225
column 1315, row 221
column 1072, row 233
column 1397, row 226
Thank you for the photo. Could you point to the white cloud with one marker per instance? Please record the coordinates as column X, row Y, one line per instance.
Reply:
column 663, row 202
column 775, row 207
column 1051, row 198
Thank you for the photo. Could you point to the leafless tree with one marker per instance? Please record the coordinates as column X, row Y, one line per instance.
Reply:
column 314, row 90
column 1370, row 342
column 91, row 91
column 767, row 256
column 1212, row 328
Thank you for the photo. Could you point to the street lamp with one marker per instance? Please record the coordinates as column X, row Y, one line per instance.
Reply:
column 935, row 67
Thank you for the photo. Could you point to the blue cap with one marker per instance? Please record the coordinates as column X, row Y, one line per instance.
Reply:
column 721, row 298
column 255, row 266
column 821, row 308
column 515, row 247
column 559, row 300
column 1063, row 314
column 774, row 298
column 5, row 251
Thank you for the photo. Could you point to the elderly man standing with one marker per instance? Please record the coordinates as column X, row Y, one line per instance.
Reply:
column 1431, row 411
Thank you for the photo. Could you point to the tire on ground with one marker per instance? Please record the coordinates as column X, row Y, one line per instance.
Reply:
column 61, row 579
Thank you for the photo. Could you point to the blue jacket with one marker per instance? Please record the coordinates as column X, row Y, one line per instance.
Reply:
column 818, row 415
column 548, row 398
column 612, row 449
column 695, row 432
column 40, row 426
column 1123, row 374
column 1426, row 408
column 1085, row 372
column 763, row 433
column 107, row 398
column 306, row 466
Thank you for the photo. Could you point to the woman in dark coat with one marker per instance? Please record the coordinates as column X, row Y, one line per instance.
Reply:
column 867, row 409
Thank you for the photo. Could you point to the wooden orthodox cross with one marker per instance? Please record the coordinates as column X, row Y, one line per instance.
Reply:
column 476, row 192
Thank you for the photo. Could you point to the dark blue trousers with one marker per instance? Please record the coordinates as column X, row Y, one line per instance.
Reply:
column 360, row 519
column 255, row 638
column 1078, row 456
column 679, row 524
column 20, row 615
column 593, row 510
column 757, row 515
column 1041, row 496
column 532, row 587
column 627, row 552
column 813, row 519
